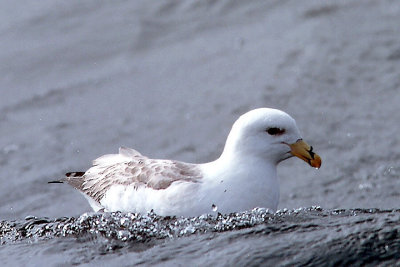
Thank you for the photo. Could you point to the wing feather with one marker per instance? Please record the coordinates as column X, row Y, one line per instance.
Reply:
column 130, row 168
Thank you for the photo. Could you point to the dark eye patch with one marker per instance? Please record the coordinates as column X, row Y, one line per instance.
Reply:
column 275, row 131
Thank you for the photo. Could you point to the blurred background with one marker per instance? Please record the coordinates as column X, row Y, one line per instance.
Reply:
column 168, row 78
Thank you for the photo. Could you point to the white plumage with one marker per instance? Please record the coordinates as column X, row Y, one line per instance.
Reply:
column 242, row 178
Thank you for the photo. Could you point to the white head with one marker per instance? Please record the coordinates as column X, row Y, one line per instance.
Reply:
column 269, row 134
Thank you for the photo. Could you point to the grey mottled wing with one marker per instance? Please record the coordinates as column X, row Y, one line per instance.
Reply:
column 130, row 168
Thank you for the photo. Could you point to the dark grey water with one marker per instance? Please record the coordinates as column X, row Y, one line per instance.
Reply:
column 168, row 79
column 307, row 236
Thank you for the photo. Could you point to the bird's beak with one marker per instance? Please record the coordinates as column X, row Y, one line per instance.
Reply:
column 305, row 152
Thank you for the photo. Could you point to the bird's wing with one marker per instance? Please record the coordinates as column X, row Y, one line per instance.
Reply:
column 130, row 168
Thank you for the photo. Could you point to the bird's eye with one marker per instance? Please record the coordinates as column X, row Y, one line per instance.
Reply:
column 275, row 131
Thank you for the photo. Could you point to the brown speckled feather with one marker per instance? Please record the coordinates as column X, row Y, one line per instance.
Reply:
column 130, row 168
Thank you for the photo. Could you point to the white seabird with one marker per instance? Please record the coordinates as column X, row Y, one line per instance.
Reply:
column 242, row 178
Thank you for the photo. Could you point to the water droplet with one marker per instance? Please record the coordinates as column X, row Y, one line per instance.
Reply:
column 124, row 222
column 214, row 207
column 123, row 235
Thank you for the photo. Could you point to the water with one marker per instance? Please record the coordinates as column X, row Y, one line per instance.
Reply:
column 306, row 236
column 169, row 79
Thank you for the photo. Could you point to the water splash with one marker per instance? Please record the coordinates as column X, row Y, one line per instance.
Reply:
column 214, row 207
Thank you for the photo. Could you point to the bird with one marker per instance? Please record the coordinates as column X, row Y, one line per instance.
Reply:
column 242, row 178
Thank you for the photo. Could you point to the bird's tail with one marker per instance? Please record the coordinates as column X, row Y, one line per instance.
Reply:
column 56, row 181
column 68, row 176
